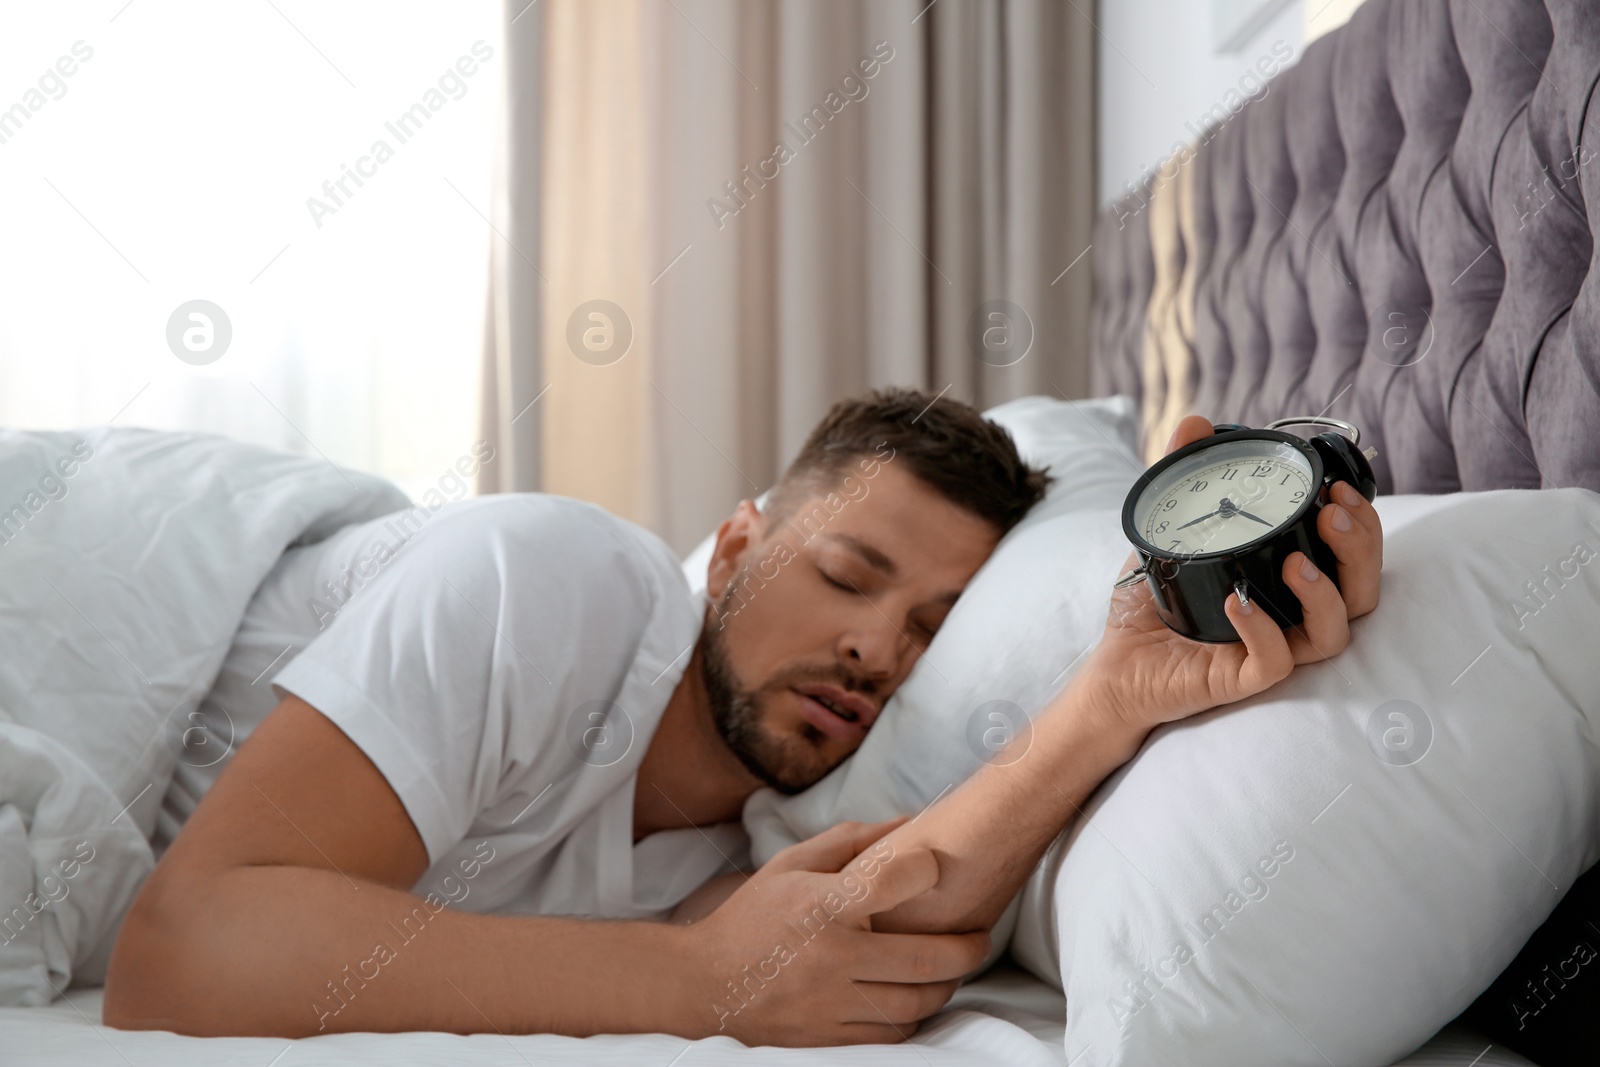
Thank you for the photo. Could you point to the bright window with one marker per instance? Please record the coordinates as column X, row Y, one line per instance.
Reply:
column 320, row 172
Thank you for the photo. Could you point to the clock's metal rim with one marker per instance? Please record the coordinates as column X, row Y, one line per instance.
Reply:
column 1318, row 473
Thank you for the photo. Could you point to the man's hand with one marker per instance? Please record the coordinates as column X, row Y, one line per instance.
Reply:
column 1148, row 675
column 989, row 832
column 791, row 959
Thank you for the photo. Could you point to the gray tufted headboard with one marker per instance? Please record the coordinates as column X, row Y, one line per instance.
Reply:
column 1398, row 232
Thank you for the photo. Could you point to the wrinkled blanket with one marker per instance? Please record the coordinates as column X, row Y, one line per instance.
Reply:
column 127, row 558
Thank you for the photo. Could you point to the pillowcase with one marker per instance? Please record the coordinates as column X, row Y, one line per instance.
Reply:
column 1332, row 870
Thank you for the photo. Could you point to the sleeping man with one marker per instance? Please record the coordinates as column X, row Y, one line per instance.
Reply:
column 499, row 784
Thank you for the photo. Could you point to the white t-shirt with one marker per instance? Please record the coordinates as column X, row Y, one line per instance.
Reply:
column 504, row 663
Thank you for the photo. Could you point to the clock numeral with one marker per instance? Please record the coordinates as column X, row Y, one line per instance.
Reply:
column 1169, row 505
column 1298, row 496
column 1286, row 479
column 1198, row 486
column 1175, row 544
column 1227, row 475
column 1264, row 469
column 1162, row 528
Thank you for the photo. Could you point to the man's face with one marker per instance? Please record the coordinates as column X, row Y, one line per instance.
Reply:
column 818, row 617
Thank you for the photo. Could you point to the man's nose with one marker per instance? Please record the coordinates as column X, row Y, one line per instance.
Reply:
column 874, row 650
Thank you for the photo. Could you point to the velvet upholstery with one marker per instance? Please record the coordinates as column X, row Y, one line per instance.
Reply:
column 1398, row 232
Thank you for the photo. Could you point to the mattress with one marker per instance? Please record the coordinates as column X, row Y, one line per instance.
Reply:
column 1005, row 1017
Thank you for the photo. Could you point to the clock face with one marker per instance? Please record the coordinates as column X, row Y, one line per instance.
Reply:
column 1223, row 496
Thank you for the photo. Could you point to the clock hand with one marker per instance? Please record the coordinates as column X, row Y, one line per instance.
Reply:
column 1202, row 518
column 1225, row 508
column 1247, row 515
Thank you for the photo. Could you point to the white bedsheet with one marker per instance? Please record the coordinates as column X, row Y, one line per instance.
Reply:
column 1006, row 1017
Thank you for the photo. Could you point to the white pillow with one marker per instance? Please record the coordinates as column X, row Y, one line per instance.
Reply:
column 1331, row 871
column 1402, row 896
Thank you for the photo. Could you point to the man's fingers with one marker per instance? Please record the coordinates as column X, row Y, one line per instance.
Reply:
column 1190, row 429
column 833, row 848
column 901, row 1005
column 916, row 958
column 1325, row 629
column 884, row 877
column 1351, row 527
column 1267, row 656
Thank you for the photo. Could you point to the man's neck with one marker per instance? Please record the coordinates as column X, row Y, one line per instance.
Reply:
column 688, row 776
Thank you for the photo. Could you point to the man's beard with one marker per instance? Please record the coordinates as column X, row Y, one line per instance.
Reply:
column 787, row 765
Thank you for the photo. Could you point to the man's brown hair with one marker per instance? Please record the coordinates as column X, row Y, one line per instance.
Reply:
column 945, row 443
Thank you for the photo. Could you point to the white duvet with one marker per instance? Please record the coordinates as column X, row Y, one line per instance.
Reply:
column 127, row 558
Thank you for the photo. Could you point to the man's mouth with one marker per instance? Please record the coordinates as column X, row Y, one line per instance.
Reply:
column 838, row 714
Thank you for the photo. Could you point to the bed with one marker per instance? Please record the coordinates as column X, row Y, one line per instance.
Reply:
column 1005, row 1017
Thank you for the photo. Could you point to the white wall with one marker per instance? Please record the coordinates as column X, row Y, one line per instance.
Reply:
column 1158, row 76
column 1331, row 15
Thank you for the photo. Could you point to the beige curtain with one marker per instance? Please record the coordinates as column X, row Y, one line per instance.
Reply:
column 787, row 202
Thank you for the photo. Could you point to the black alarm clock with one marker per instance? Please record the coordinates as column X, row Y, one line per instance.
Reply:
column 1219, row 516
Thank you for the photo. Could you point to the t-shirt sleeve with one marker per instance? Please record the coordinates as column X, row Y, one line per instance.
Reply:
column 467, row 640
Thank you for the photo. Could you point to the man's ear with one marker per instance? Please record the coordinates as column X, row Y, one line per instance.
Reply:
column 735, row 536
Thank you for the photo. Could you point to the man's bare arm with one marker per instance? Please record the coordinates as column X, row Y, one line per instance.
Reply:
column 267, row 915
column 990, row 832
column 289, row 876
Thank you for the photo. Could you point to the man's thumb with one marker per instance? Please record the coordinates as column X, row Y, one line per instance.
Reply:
column 882, row 878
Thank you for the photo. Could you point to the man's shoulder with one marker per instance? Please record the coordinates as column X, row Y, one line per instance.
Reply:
column 542, row 534
column 600, row 595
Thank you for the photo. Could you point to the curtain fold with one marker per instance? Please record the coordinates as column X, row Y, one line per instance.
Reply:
column 513, row 372
column 793, row 201
column 596, row 211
